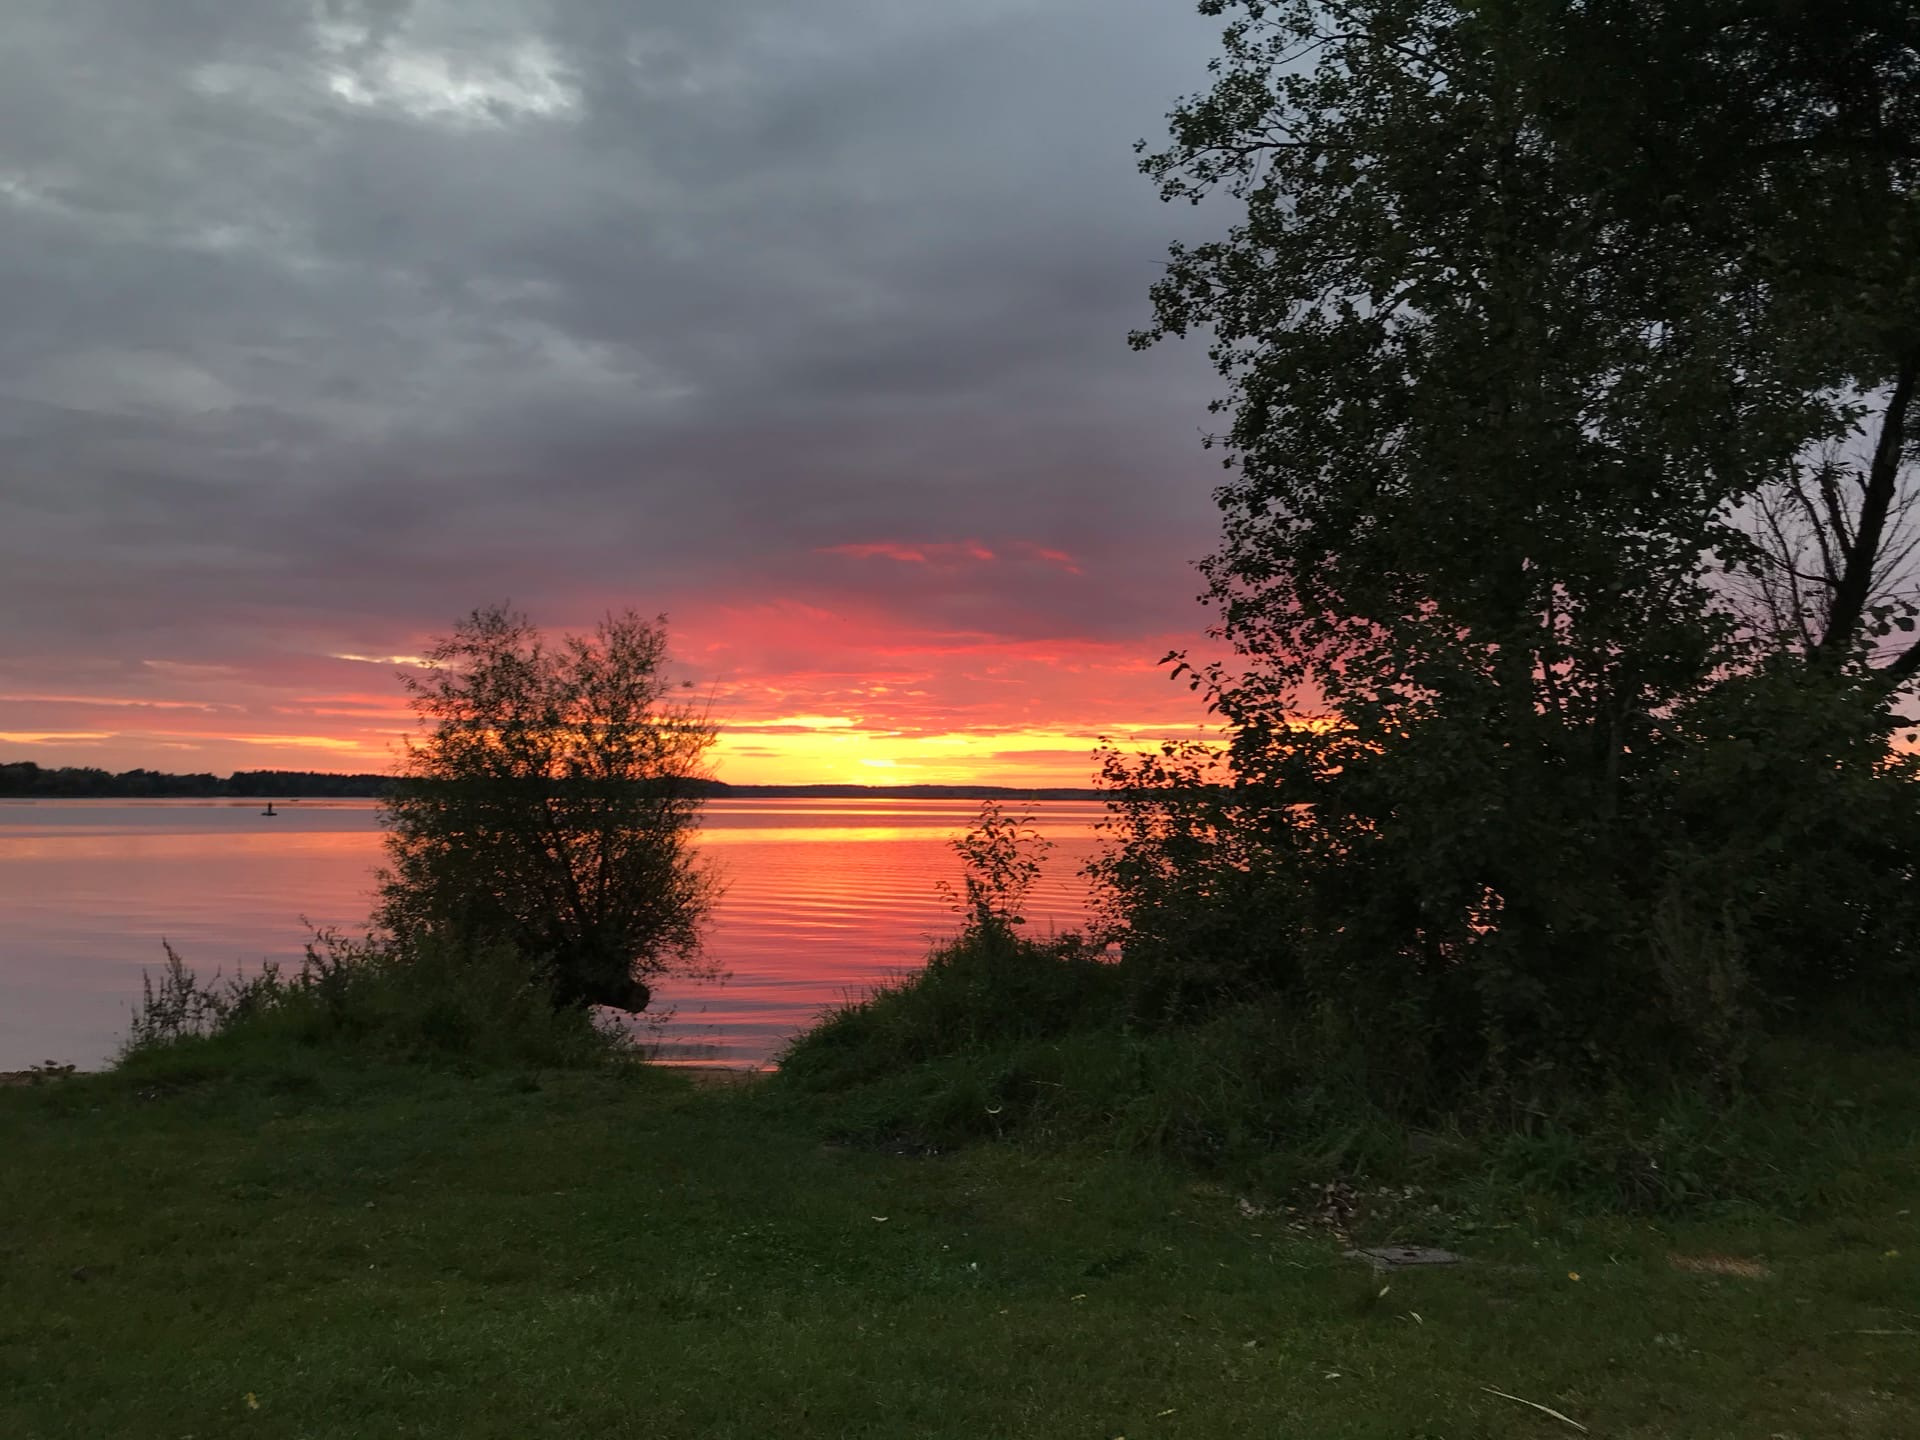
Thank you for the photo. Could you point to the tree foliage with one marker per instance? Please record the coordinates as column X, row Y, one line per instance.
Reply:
column 1000, row 858
column 1532, row 313
column 550, row 802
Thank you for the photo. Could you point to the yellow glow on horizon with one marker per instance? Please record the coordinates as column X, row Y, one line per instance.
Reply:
column 305, row 742
column 741, row 755
column 798, row 722
column 1042, row 757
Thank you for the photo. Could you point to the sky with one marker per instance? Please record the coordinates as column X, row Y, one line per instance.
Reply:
column 328, row 321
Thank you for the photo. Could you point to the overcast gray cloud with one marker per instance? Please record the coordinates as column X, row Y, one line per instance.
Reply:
column 328, row 320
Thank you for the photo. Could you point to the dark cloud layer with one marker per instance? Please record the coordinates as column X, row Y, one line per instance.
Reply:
column 329, row 320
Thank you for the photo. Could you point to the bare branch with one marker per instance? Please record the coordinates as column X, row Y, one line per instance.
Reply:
column 1863, row 558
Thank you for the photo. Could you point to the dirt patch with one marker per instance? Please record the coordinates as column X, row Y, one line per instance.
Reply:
column 1720, row 1265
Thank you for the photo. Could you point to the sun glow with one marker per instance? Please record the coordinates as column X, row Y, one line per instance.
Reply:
column 799, row 693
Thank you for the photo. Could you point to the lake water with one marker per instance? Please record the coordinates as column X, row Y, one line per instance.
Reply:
column 823, row 899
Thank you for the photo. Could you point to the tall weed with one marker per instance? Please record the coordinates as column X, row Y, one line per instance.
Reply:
column 373, row 996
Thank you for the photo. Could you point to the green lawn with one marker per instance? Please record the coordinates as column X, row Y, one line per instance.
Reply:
column 357, row 1252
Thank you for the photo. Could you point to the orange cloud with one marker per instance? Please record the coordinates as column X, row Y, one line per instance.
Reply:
column 1051, row 557
column 332, row 743
column 113, row 702
column 954, row 553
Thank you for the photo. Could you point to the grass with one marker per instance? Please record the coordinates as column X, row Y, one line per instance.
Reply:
column 308, row 1244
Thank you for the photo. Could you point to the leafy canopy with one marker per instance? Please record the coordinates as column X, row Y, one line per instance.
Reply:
column 550, row 802
column 1528, row 307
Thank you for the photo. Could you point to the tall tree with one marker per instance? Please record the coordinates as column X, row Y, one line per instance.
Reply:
column 550, row 801
column 1531, row 308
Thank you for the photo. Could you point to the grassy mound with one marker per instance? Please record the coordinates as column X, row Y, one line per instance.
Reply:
column 1001, row 1037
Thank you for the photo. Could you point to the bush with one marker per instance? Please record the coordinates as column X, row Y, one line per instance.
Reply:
column 984, row 991
column 1214, row 1055
column 1465, row 920
column 1248, row 1098
column 368, row 996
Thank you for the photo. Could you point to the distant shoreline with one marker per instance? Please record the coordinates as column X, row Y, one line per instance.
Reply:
column 28, row 781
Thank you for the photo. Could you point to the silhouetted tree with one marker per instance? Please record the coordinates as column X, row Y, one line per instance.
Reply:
column 1529, row 308
column 550, row 801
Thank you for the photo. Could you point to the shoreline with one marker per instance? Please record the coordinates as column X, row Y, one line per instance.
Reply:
column 710, row 1077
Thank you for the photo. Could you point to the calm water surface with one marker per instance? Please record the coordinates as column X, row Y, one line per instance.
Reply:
column 823, row 898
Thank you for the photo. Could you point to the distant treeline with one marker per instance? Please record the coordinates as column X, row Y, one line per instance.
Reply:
column 26, row 780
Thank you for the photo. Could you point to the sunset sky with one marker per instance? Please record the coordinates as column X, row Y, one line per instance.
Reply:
column 805, row 324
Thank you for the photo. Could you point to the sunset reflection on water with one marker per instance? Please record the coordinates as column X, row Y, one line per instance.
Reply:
column 821, row 900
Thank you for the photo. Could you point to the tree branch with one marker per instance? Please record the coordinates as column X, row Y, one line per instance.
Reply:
column 1905, row 666
column 1863, row 555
